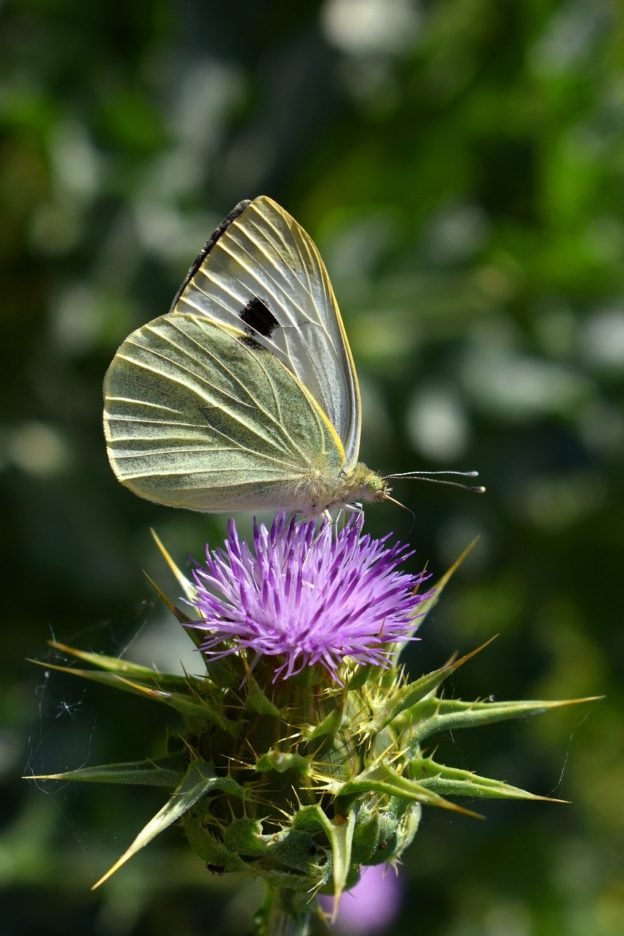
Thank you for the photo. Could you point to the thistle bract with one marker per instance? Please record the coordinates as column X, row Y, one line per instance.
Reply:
column 304, row 754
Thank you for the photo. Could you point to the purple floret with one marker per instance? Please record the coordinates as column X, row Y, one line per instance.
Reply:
column 307, row 593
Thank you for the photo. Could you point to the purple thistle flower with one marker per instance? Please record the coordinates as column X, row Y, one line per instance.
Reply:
column 371, row 905
column 308, row 593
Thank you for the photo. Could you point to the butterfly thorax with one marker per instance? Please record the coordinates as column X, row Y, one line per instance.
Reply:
column 360, row 484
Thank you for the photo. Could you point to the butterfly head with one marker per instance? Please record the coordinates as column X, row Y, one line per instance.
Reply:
column 362, row 484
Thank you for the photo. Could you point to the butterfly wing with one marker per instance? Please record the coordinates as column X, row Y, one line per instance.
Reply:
column 260, row 272
column 198, row 415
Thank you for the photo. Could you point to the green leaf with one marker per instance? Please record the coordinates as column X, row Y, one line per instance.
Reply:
column 142, row 773
column 281, row 761
column 339, row 832
column 451, row 714
column 453, row 781
column 202, row 710
column 360, row 676
column 129, row 670
column 408, row 695
column 256, row 699
column 185, row 584
column 200, row 779
column 328, row 726
column 243, row 836
column 384, row 779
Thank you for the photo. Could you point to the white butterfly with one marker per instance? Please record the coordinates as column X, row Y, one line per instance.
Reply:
column 244, row 396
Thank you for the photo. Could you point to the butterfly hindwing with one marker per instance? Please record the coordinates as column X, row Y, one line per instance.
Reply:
column 261, row 272
column 199, row 415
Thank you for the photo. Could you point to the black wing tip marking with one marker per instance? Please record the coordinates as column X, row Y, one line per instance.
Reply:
column 219, row 231
column 258, row 318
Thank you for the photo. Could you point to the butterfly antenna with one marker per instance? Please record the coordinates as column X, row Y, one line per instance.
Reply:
column 442, row 477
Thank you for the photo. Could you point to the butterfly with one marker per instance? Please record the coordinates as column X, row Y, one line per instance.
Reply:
column 244, row 396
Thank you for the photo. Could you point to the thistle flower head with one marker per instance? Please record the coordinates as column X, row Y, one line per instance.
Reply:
column 304, row 784
column 307, row 594
column 371, row 905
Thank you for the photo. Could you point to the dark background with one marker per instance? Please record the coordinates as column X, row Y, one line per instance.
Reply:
column 460, row 164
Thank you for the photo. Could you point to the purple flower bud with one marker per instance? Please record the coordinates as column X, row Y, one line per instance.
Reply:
column 370, row 906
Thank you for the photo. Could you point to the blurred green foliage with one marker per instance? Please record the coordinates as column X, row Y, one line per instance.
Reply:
column 461, row 165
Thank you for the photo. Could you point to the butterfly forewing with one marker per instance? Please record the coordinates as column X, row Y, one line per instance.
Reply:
column 199, row 415
column 261, row 273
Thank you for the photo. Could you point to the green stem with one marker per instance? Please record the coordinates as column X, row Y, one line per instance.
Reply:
column 284, row 913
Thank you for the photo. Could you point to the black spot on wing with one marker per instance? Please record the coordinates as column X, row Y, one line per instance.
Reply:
column 212, row 240
column 259, row 318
